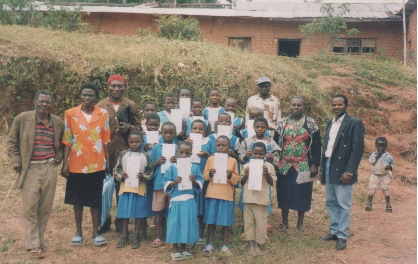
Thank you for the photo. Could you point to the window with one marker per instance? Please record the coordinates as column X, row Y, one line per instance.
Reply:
column 354, row 46
column 243, row 44
column 289, row 47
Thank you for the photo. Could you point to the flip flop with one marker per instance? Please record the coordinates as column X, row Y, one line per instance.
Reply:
column 176, row 256
column 186, row 254
column 36, row 253
column 225, row 249
column 76, row 241
column 200, row 241
column 99, row 241
column 207, row 251
column 157, row 243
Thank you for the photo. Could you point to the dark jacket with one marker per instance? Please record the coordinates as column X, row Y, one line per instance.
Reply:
column 347, row 151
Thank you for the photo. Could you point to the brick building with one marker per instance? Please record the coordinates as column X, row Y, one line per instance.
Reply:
column 271, row 29
column 411, row 31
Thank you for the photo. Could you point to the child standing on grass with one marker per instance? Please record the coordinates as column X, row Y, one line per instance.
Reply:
column 133, row 200
column 230, row 106
column 149, row 107
column 256, row 202
column 159, row 198
column 182, row 227
column 198, row 126
column 219, row 206
column 197, row 111
column 214, row 108
column 383, row 164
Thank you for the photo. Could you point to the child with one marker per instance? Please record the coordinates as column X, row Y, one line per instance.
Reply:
column 230, row 106
column 197, row 110
column 169, row 102
column 132, row 200
column 225, row 119
column 152, row 124
column 185, row 93
column 198, row 126
column 150, row 107
column 253, row 114
column 214, row 106
column 256, row 202
column 159, row 198
column 383, row 164
column 219, row 206
column 182, row 227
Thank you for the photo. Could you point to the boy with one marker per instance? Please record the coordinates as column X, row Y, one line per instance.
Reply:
column 225, row 119
column 152, row 122
column 252, row 115
column 214, row 108
column 150, row 107
column 383, row 164
column 185, row 93
column 256, row 202
column 197, row 110
column 230, row 106
column 170, row 102
column 160, row 199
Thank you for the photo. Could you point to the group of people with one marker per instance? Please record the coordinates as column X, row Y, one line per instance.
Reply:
column 183, row 187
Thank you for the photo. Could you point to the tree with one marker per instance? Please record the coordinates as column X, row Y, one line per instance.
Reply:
column 332, row 25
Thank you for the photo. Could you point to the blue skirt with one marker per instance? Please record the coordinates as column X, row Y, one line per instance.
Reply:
column 291, row 195
column 182, row 225
column 131, row 205
column 219, row 212
column 200, row 199
column 148, row 196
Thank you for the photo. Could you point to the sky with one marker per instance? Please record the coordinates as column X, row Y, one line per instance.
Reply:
column 324, row 1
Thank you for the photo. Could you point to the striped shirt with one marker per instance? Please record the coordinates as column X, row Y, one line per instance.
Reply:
column 43, row 147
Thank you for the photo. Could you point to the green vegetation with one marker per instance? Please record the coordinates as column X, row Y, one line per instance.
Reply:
column 177, row 27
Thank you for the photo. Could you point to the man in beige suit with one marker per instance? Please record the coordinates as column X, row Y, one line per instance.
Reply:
column 34, row 146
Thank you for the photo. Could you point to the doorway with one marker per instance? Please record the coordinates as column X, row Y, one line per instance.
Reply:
column 289, row 47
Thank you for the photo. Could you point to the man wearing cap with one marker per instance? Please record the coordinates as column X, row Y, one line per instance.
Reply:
column 264, row 100
column 114, row 104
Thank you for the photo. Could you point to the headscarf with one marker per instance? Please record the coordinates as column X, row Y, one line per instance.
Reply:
column 116, row 77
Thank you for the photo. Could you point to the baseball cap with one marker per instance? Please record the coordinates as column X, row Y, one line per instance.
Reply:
column 263, row 80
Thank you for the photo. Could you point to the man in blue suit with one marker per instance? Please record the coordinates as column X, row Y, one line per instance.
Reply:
column 342, row 152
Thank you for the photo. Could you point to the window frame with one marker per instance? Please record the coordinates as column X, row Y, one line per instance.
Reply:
column 249, row 39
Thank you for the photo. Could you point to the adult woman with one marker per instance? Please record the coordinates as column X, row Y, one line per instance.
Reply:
column 85, row 159
column 300, row 141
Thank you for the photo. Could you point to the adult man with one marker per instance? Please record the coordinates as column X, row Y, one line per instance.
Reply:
column 264, row 100
column 343, row 149
column 115, row 104
column 34, row 146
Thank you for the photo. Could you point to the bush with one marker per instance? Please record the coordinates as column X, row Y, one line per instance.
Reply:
column 63, row 19
column 177, row 27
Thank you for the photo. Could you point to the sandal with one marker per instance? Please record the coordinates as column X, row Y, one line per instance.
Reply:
column 99, row 241
column 122, row 242
column 200, row 241
column 76, row 241
column 225, row 249
column 186, row 254
column 36, row 253
column 176, row 256
column 389, row 208
column 135, row 243
column 207, row 251
column 368, row 207
column 157, row 243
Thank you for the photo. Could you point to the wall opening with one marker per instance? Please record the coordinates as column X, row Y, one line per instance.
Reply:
column 244, row 44
column 289, row 47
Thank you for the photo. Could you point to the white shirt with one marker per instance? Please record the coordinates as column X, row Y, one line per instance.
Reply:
column 88, row 117
column 270, row 105
column 333, row 135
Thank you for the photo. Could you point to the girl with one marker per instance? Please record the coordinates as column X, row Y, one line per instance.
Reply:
column 225, row 119
column 197, row 111
column 133, row 200
column 182, row 227
column 230, row 106
column 214, row 108
column 219, row 206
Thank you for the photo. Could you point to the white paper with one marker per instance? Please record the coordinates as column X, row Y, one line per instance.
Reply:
column 185, row 107
column 220, row 165
column 177, row 119
column 305, row 176
column 224, row 130
column 197, row 146
column 250, row 128
column 213, row 117
column 168, row 151
column 153, row 137
column 132, row 167
column 198, row 118
column 232, row 116
column 255, row 178
column 184, row 169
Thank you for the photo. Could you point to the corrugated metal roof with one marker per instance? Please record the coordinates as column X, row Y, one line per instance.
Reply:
column 279, row 11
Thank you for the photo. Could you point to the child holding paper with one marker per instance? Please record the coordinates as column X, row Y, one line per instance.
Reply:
column 161, row 156
column 221, row 172
column 132, row 169
column 170, row 102
column 149, row 107
column 230, row 106
column 224, row 122
column 152, row 124
column 197, row 111
column 185, row 93
column 198, row 127
column 256, row 200
column 182, row 227
column 214, row 108
column 248, row 131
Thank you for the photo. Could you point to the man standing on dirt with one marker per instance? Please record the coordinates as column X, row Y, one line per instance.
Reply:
column 264, row 100
column 119, row 129
column 341, row 156
column 34, row 146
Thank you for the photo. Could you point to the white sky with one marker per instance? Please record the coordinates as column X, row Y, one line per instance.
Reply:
column 323, row 1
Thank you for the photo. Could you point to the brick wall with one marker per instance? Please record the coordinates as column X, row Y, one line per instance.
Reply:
column 264, row 33
column 411, row 37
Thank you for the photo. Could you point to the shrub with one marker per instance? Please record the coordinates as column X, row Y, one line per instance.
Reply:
column 177, row 27
column 63, row 19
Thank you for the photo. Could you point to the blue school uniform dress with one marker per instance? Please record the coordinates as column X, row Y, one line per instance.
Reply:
column 238, row 122
column 189, row 122
column 150, row 187
column 200, row 196
column 133, row 200
column 182, row 225
column 156, row 153
column 164, row 116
